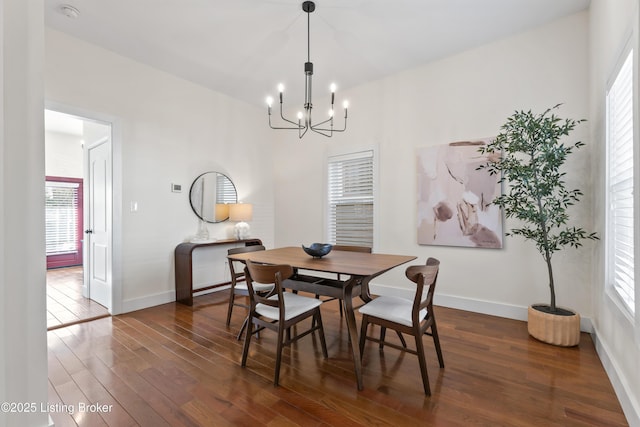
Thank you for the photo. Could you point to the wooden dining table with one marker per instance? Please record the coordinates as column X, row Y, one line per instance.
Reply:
column 358, row 267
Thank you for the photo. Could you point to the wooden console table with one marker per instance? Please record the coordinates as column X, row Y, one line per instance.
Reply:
column 184, row 267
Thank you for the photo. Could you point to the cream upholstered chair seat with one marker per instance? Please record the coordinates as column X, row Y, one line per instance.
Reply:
column 258, row 287
column 393, row 309
column 294, row 305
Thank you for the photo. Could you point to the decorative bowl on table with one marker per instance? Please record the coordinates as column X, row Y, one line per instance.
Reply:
column 318, row 250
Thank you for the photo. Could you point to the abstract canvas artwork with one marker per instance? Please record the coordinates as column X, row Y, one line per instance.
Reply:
column 454, row 198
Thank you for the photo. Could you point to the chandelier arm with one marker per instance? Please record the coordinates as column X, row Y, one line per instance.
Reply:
column 321, row 123
column 301, row 134
column 281, row 128
column 330, row 130
column 297, row 125
column 286, row 128
column 322, row 132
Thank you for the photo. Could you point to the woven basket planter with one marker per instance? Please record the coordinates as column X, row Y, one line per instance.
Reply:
column 553, row 328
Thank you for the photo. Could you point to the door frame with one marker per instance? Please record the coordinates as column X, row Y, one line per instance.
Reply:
column 116, row 193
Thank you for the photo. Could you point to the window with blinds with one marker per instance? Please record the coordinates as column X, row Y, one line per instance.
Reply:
column 61, row 217
column 620, row 216
column 350, row 199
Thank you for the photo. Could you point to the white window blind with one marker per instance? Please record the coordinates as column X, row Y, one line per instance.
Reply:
column 620, row 235
column 350, row 197
column 61, row 217
column 225, row 190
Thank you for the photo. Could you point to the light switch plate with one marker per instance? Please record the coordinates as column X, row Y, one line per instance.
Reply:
column 176, row 188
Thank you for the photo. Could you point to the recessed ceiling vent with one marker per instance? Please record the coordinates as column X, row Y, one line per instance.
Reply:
column 69, row 11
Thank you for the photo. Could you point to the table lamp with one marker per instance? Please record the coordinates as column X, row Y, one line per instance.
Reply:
column 241, row 212
column 221, row 212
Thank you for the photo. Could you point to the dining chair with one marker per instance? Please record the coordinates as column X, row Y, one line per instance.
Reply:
column 278, row 310
column 405, row 316
column 239, row 285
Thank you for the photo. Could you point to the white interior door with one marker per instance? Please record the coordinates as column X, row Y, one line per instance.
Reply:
column 98, row 240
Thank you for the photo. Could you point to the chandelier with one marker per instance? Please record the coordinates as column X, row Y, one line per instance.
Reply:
column 304, row 122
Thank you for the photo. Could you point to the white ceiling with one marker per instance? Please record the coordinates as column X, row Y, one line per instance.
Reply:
column 63, row 123
column 244, row 48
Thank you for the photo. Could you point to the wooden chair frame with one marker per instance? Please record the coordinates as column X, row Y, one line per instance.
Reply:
column 236, row 277
column 423, row 276
column 278, row 274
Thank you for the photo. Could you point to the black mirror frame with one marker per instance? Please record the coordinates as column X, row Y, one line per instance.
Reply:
column 191, row 190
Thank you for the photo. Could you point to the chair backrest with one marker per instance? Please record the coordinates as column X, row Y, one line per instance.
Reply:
column 267, row 274
column 423, row 276
column 253, row 248
column 243, row 249
column 352, row 248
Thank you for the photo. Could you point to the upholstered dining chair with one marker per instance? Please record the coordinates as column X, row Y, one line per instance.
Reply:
column 405, row 316
column 278, row 310
column 238, row 283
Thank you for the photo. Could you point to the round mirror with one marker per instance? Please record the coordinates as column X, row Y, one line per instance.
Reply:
column 210, row 196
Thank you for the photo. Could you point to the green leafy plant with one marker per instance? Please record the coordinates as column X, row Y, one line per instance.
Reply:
column 529, row 155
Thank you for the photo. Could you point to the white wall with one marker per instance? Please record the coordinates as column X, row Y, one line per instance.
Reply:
column 464, row 96
column 171, row 131
column 612, row 25
column 23, row 343
column 63, row 155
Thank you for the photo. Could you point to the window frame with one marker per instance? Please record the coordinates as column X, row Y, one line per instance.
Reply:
column 632, row 314
column 69, row 258
column 351, row 151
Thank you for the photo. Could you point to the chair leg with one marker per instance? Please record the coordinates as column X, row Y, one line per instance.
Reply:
column 340, row 305
column 276, row 378
column 318, row 321
column 423, row 364
column 244, row 325
column 404, row 343
column 247, row 341
column 436, row 342
column 383, row 333
column 363, row 333
column 230, row 309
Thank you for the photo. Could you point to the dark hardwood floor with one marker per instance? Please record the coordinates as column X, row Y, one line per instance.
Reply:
column 175, row 365
column 65, row 303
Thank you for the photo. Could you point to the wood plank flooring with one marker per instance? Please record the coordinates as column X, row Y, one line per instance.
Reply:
column 175, row 365
column 65, row 303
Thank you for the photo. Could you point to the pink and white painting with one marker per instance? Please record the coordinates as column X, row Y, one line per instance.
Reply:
column 454, row 199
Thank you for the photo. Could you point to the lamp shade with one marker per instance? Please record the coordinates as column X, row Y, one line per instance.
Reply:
column 221, row 212
column 240, row 211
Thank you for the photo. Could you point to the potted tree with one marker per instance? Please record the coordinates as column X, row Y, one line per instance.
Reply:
column 529, row 154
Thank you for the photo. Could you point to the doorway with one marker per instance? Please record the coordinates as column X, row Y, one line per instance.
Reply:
column 71, row 191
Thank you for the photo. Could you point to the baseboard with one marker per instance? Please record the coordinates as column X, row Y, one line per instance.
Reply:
column 622, row 388
column 491, row 308
column 159, row 299
column 148, row 301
